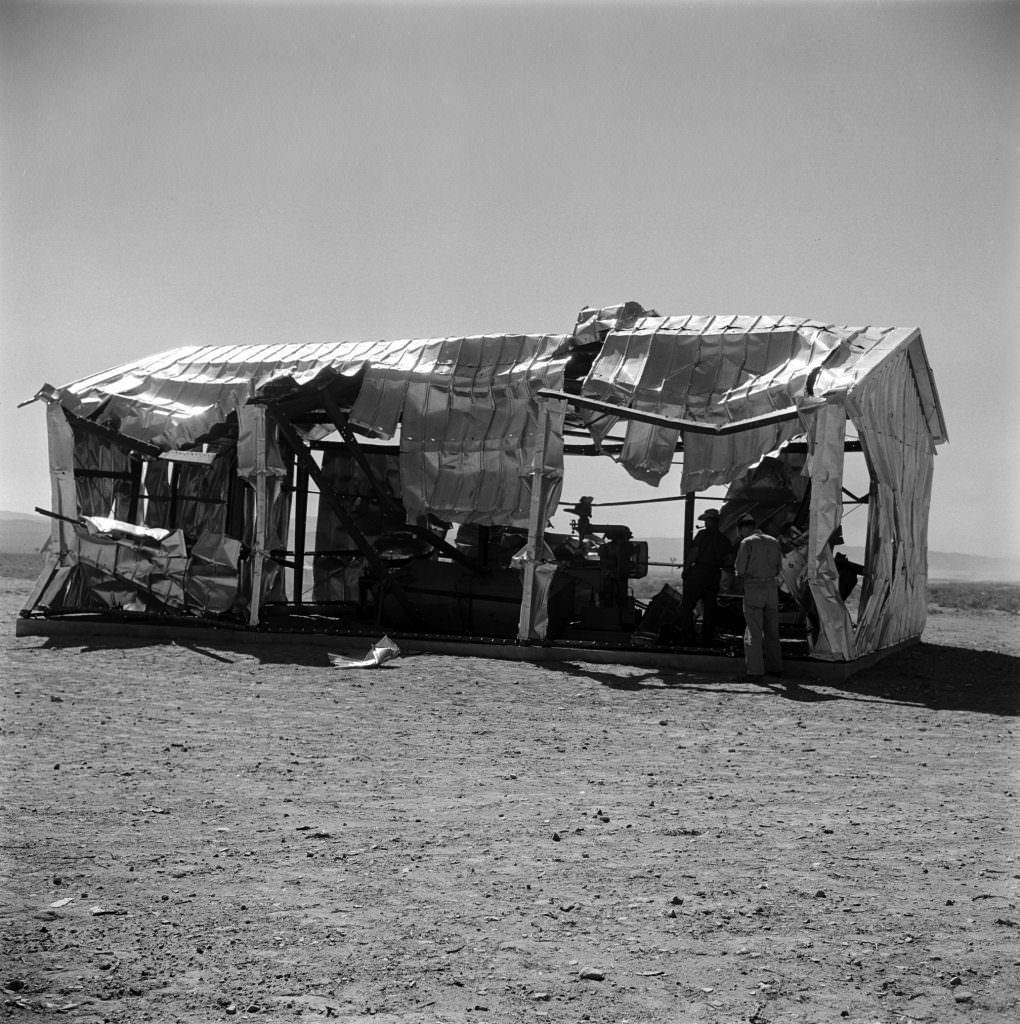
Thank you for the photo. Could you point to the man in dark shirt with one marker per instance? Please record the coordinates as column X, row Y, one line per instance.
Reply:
column 710, row 552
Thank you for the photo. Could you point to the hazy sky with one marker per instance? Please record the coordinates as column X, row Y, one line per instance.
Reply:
column 255, row 172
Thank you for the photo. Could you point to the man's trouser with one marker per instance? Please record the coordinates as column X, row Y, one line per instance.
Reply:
column 699, row 585
column 762, row 652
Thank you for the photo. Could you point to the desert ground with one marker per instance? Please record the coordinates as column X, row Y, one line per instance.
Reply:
column 204, row 834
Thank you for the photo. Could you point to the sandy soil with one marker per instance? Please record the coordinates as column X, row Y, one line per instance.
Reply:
column 193, row 834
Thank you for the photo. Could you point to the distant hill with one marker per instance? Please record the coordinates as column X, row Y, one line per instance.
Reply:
column 942, row 566
column 26, row 534
column 22, row 534
column 947, row 567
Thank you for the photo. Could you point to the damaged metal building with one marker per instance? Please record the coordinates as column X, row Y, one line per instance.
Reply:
column 332, row 491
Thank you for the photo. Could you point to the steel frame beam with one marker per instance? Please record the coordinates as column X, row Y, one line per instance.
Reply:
column 657, row 420
column 304, row 457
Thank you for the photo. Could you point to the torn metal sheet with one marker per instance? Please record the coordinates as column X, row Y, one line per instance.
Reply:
column 833, row 637
column 117, row 530
column 894, row 430
column 713, row 370
column 720, row 369
column 134, row 571
column 213, row 580
column 192, row 496
column 379, row 653
column 469, row 426
column 108, row 495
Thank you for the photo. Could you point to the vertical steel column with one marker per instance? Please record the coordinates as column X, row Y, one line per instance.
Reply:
column 136, row 490
column 257, row 416
column 536, row 526
column 300, row 525
column 171, row 515
column 688, row 523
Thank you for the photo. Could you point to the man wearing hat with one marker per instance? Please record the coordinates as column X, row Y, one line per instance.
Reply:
column 710, row 552
column 758, row 563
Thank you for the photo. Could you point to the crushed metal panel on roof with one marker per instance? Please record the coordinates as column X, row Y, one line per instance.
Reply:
column 176, row 397
column 469, row 425
column 720, row 369
column 710, row 369
column 467, row 406
column 715, row 369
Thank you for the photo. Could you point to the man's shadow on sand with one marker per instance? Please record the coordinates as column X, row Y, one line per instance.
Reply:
column 665, row 679
column 926, row 675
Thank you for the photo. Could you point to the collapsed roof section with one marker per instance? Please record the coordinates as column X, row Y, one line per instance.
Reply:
column 735, row 372
column 465, row 407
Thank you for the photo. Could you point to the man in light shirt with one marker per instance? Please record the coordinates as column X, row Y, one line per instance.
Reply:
column 758, row 563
